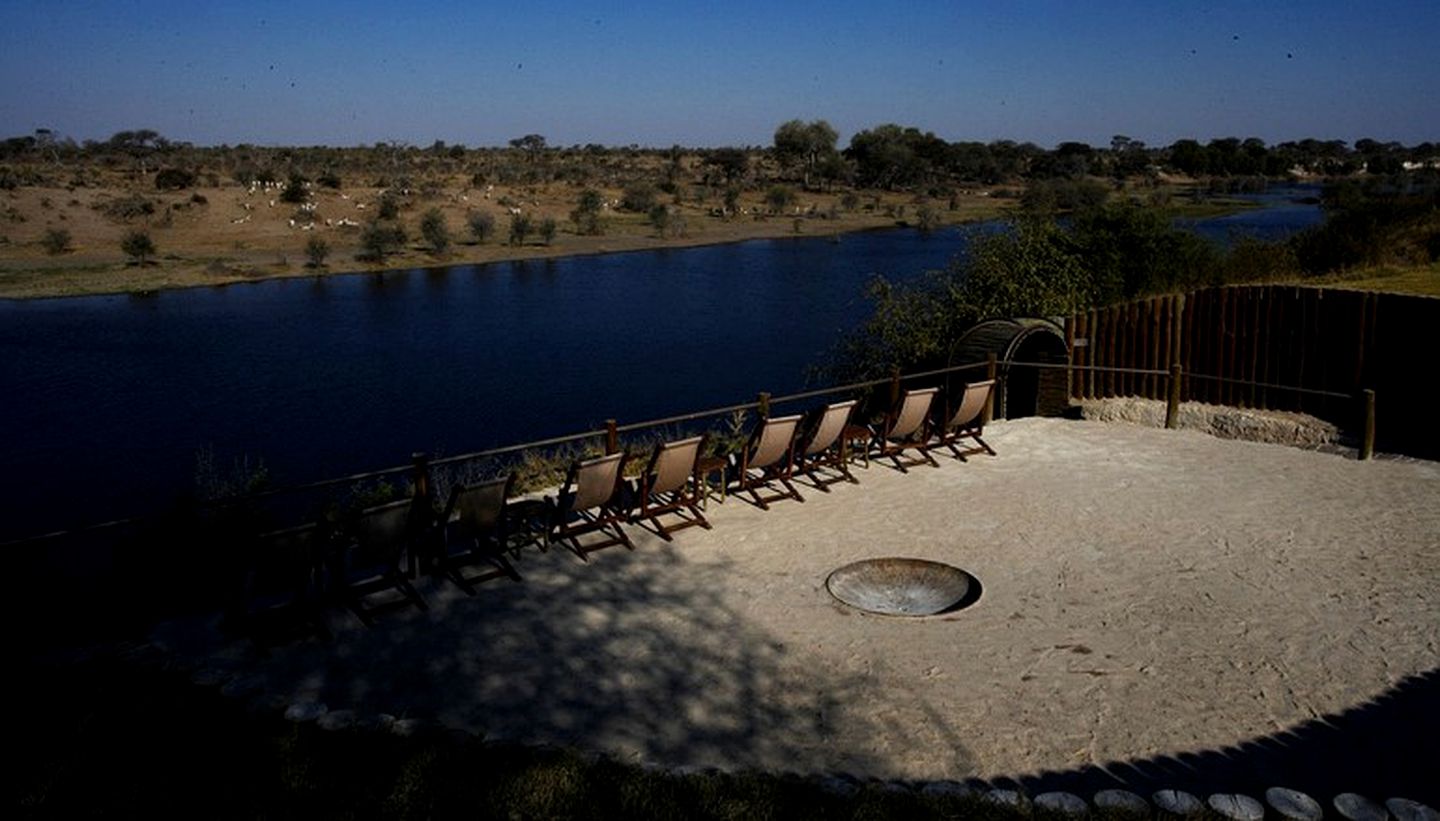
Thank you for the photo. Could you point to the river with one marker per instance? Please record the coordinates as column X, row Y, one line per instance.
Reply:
column 109, row 399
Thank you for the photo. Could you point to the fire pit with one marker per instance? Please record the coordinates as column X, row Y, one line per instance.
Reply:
column 902, row 587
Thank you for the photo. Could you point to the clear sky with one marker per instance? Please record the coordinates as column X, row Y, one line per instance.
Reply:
column 311, row 72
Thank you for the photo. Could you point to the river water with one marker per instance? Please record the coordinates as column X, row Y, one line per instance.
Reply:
column 107, row 400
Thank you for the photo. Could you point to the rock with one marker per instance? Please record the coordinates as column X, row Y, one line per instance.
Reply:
column 305, row 711
column 1236, row 806
column 337, row 720
column 1012, row 799
column 946, row 789
column 1122, row 801
column 1062, row 803
column 1176, row 802
column 1357, row 807
column 1294, row 804
column 1406, row 810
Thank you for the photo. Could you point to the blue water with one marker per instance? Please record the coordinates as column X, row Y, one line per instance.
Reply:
column 1284, row 212
column 111, row 397
column 108, row 399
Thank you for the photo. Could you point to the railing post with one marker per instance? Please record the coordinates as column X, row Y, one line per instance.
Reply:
column 894, row 387
column 991, row 369
column 612, row 437
column 1367, row 445
column 421, row 509
column 763, row 399
column 1172, row 405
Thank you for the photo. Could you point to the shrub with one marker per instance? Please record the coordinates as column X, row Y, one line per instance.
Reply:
column 482, row 226
column 435, row 231
column 927, row 219
column 137, row 245
column 316, row 250
column 295, row 192
column 548, row 228
column 173, row 179
column 586, row 215
column 329, row 180
column 389, row 206
column 638, row 197
column 520, row 228
column 127, row 208
column 56, row 241
column 779, row 197
column 380, row 239
column 660, row 218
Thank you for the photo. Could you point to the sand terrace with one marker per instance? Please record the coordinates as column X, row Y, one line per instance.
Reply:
column 1146, row 593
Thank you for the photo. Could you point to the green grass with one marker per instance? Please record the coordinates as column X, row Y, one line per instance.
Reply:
column 122, row 739
column 1422, row 280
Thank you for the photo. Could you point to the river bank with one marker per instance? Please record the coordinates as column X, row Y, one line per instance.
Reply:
column 229, row 234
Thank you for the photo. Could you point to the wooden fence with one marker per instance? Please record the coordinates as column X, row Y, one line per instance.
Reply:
column 1253, row 345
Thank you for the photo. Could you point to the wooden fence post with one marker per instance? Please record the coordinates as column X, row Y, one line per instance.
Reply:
column 1172, row 404
column 420, row 508
column 1367, row 445
column 612, row 437
column 894, row 387
column 764, row 399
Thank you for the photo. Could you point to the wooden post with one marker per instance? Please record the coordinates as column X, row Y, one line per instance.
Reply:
column 1172, row 405
column 612, row 438
column 420, row 511
column 990, row 371
column 764, row 399
column 894, row 387
column 1367, row 445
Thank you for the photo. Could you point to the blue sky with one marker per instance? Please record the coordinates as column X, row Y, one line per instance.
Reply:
column 657, row 74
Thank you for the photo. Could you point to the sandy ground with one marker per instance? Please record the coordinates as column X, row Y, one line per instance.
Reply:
column 1145, row 593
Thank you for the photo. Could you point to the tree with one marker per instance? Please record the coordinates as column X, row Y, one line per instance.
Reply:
column 382, row 238
column 804, row 145
column 295, row 191
column 520, row 228
column 137, row 245
column 56, row 241
column 731, row 163
column 586, row 214
column 660, row 218
column 436, row 231
column 779, row 197
column 548, row 229
column 482, row 226
column 316, row 250
column 639, row 197
column 531, row 144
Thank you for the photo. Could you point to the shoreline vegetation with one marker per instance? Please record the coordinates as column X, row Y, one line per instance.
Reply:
column 141, row 213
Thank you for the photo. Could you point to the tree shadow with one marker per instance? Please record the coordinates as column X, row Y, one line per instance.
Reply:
column 1383, row 748
column 636, row 654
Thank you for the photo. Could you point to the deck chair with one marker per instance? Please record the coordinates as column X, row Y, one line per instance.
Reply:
column 472, row 531
column 967, row 422
column 590, row 501
column 368, row 562
column 770, row 454
column 280, row 589
column 824, row 447
column 671, row 484
column 907, row 427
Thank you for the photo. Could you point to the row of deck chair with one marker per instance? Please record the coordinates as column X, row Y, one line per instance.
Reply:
column 383, row 547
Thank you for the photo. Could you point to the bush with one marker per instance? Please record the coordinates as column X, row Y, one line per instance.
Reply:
column 295, row 192
column 316, row 250
column 389, row 206
column 56, row 241
column 520, row 228
column 482, row 226
column 127, row 208
column 435, row 231
column 660, row 218
column 779, row 197
column 586, row 215
column 174, row 179
column 381, row 238
column 548, row 227
column 927, row 219
column 639, row 197
column 329, row 180
column 138, row 246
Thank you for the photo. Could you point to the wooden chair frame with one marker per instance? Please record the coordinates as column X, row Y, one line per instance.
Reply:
column 967, row 422
column 473, row 530
column 907, row 427
column 592, row 493
column 672, row 483
column 771, row 451
column 368, row 560
column 824, row 445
